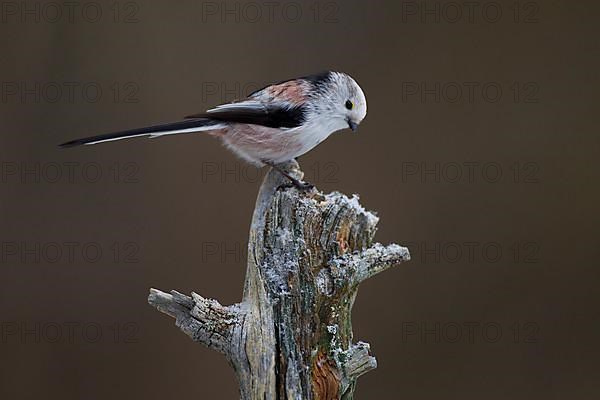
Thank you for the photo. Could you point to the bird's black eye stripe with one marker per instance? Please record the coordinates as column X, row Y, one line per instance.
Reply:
column 349, row 105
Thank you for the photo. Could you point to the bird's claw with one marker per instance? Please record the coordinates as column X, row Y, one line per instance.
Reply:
column 300, row 185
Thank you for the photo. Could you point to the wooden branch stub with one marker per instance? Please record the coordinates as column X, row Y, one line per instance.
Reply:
column 204, row 320
column 290, row 337
column 359, row 360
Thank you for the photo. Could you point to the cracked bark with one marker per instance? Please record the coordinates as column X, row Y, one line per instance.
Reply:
column 291, row 335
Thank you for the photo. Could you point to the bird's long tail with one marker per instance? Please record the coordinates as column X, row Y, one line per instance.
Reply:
column 187, row 126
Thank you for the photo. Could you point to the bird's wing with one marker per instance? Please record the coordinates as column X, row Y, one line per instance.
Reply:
column 281, row 105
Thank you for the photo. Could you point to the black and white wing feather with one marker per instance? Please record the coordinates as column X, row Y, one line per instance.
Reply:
column 272, row 115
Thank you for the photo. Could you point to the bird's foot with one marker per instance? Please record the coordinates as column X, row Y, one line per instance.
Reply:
column 300, row 185
column 304, row 186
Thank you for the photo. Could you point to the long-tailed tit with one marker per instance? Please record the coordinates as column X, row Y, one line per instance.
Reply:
column 272, row 125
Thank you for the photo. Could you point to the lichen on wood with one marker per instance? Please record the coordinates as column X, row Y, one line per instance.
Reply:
column 291, row 336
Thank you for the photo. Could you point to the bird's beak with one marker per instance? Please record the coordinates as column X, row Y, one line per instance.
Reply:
column 353, row 125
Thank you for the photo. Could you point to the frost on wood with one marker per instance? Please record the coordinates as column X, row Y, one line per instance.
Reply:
column 291, row 335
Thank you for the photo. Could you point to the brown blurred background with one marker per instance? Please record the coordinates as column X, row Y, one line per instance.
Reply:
column 478, row 153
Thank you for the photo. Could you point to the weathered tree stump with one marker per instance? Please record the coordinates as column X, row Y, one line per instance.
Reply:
column 291, row 336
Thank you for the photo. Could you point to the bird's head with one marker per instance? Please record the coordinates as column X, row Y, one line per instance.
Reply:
column 342, row 100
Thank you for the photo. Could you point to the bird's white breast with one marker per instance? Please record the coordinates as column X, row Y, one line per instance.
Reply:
column 257, row 143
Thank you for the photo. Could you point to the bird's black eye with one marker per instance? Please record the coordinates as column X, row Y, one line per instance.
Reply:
column 349, row 105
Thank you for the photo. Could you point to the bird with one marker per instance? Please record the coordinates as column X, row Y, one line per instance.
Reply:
column 272, row 125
